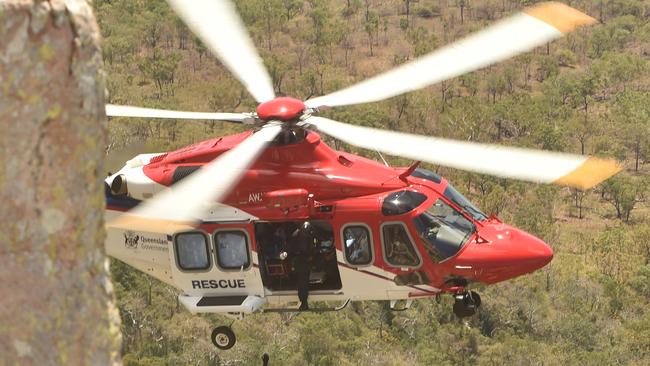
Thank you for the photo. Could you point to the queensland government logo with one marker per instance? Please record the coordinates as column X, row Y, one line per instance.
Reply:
column 131, row 240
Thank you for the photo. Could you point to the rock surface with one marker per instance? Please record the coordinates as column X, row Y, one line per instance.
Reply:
column 56, row 302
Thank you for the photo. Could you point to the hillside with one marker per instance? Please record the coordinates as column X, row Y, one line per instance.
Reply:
column 586, row 93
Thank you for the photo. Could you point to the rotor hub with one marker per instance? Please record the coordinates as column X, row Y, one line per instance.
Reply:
column 283, row 109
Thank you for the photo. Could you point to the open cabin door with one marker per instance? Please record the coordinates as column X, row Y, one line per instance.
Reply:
column 277, row 258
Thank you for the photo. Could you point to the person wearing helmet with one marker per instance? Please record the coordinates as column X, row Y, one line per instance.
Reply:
column 302, row 240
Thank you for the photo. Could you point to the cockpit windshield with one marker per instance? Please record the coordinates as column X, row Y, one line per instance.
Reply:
column 454, row 196
column 443, row 230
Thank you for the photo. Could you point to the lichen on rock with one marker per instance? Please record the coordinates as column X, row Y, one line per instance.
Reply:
column 56, row 307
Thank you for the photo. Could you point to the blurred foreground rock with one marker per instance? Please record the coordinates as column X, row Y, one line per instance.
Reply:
column 56, row 305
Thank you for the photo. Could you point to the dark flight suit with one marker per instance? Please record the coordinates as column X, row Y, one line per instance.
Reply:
column 302, row 244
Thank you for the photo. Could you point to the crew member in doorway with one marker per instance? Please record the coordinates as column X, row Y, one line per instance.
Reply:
column 303, row 243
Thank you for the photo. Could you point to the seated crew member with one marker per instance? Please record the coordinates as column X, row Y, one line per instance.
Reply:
column 302, row 240
column 399, row 253
column 278, row 240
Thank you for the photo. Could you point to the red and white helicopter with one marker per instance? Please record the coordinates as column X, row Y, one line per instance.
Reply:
column 381, row 233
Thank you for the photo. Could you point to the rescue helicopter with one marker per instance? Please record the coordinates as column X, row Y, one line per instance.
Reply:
column 212, row 219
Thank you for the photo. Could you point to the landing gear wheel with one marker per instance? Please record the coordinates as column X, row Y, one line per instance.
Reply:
column 466, row 303
column 476, row 298
column 223, row 337
column 463, row 311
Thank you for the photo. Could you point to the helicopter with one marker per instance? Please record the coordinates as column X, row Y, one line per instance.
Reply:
column 213, row 219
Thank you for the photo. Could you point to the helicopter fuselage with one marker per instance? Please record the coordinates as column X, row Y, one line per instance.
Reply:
column 383, row 233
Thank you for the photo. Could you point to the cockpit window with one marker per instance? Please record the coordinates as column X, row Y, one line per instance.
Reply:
column 453, row 195
column 443, row 230
column 398, row 203
column 427, row 174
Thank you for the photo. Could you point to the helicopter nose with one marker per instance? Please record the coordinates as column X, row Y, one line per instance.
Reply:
column 536, row 252
column 506, row 252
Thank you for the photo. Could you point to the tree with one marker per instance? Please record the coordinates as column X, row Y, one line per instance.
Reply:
column 407, row 5
column 583, row 130
column 633, row 113
column 613, row 251
column 200, row 48
column 494, row 202
column 470, row 83
column 309, row 83
column 612, row 36
column 161, row 68
column 152, row 29
column 272, row 12
column 496, row 84
column 565, row 57
column 547, row 68
column 292, row 8
column 576, row 91
column 321, row 18
column 182, row 33
column 371, row 27
column 346, row 44
column 536, row 216
column 422, row 41
column 615, row 69
column 616, row 8
column 278, row 68
column 584, row 88
column 623, row 193
column 462, row 4
column 641, row 282
column 525, row 61
column 510, row 78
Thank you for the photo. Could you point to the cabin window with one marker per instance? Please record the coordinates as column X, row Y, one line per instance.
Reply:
column 232, row 249
column 192, row 251
column 358, row 244
column 398, row 203
column 398, row 246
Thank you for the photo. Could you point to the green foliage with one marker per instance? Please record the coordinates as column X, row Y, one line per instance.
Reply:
column 633, row 114
column 565, row 57
column 494, row 201
column 536, row 216
column 161, row 69
column 623, row 193
column 612, row 36
column 403, row 24
column 548, row 67
column 619, row 68
column 427, row 13
column 626, row 7
column 422, row 41
column 612, row 252
column 371, row 27
column 641, row 282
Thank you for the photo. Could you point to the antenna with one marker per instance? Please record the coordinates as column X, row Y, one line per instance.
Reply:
column 382, row 158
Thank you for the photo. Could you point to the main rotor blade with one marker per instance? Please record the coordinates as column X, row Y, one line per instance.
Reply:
column 128, row 111
column 217, row 24
column 508, row 162
column 522, row 32
column 186, row 200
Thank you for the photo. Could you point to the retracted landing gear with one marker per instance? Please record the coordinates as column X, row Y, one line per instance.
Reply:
column 223, row 337
column 466, row 303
